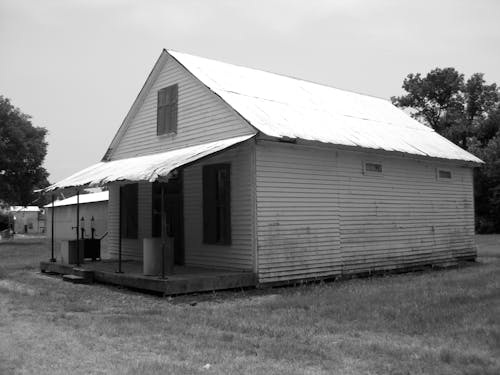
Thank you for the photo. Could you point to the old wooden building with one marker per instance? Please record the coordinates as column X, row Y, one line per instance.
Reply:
column 281, row 177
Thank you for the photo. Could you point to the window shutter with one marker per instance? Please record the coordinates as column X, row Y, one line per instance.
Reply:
column 160, row 113
column 172, row 109
column 166, row 115
column 226, row 228
column 129, row 210
column 209, row 206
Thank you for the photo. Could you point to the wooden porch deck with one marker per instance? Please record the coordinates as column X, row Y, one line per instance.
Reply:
column 184, row 280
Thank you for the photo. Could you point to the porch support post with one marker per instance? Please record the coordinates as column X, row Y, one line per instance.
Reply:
column 119, row 270
column 52, row 258
column 78, row 228
column 163, row 230
column 167, row 259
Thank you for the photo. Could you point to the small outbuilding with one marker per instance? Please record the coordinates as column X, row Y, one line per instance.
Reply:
column 92, row 216
column 256, row 172
column 27, row 219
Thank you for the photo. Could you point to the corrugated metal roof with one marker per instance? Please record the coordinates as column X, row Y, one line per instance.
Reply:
column 84, row 198
column 143, row 168
column 280, row 106
column 25, row 208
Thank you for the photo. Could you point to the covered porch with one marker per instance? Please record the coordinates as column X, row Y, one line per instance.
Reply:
column 176, row 213
column 183, row 279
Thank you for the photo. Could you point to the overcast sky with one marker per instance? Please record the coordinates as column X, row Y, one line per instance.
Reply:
column 76, row 66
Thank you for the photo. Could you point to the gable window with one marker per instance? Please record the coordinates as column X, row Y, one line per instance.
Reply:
column 372, row 168
column 166, row 116
column 443, row 174
column 216, row 204
column 128, row 210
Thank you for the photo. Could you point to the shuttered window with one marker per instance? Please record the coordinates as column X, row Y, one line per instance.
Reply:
column 166, row 117
column 216, row 204
column 128, row 210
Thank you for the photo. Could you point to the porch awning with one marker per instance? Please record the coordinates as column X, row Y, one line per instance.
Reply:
column 142, row 168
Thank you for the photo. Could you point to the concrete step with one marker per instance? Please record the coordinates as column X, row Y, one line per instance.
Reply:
column 76, row 279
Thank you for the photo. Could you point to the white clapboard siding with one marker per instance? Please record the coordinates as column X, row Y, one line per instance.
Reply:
column 131, row 248
column 238, row 255
column 202, row 117
column 405, row 216
column 319, row 215
column 113, row 219
column 297, row 213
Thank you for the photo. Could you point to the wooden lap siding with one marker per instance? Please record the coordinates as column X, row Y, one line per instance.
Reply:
column 131, row 248
column 297, row 213
column 239, row 254
column 202, row 117
column 319, row 215
column 404, row 217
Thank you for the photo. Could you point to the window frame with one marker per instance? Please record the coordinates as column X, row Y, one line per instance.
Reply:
column 216, row 208
column 439, row 177
column 167, row 110
column 370, row 172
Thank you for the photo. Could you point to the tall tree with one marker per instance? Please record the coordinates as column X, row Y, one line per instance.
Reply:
column 487, row 181
column 22, row 151
column 468, row 114
column 455, row 108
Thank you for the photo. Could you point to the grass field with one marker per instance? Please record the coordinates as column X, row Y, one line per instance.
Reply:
column 435, row 322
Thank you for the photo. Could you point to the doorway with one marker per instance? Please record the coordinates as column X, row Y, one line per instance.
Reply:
column 175, row 213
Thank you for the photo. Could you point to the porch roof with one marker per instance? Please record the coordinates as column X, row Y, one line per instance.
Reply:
column 143, row 168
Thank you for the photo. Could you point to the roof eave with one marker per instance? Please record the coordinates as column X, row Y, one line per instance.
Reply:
column 305, row 142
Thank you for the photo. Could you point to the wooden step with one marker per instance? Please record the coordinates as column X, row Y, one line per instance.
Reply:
column 76, row 279
column 86, row 274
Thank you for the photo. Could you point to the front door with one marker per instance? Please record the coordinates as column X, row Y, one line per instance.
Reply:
column 174, row 209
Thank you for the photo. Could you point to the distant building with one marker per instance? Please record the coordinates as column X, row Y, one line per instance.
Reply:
column 93, row 210
column 27, row 219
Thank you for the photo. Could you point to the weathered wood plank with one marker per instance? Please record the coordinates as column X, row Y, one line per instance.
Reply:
column 402, row 218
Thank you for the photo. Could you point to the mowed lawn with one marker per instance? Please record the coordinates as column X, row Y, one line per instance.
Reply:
column 433, row 322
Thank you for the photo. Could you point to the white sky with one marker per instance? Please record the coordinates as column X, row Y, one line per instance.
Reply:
column 77, row 66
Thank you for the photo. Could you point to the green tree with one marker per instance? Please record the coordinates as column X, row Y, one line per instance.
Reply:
column 487, row 183
column 455, row 108
column 22, row 152
column 467, row 112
